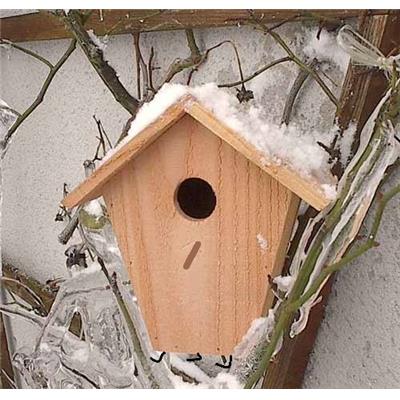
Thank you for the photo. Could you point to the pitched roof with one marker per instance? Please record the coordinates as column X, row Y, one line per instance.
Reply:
column 308, row 189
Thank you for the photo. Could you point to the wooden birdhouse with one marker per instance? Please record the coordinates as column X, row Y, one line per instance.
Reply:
column 201, row 220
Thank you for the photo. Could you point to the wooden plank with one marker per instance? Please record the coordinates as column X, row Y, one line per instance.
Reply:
column 360, row 95
column 209, row 306
column 44, row 26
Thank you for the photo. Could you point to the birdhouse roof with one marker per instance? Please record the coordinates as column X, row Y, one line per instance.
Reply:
column 288, row 160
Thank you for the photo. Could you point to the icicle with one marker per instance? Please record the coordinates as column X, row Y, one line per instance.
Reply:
column 363, row 52
column 7, row 118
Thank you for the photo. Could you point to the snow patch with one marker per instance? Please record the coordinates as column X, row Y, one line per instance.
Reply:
column 226, row 381
column 81, row 355
column 94, row 208
column 262, row 242
column 100, row 43
column 346, row 142
column 45, row 347
column 91, row 269
column 284, row 283
column 259, row 328
column 189, row 369
column 329, row 191
column 326, row 48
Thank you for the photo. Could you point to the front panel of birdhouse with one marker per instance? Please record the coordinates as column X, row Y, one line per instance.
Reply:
column 200, row 228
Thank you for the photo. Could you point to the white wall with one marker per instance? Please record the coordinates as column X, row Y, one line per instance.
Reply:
column 50, row 147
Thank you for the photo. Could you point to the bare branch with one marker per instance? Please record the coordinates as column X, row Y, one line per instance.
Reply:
column 258, row 72
column 294, row 91
column 27, row 51
column 194, row 60
column 147, row 93
column 191, row 41
column 123, row 24
column 74, row 22
column 137, row 61
column 102, row 138
column 151, row 69
column 41, row 94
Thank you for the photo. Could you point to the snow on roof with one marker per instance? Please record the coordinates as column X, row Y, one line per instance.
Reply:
column 279, row 144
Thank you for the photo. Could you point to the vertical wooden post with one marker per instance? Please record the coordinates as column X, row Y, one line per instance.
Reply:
column 5, row 362
column 360, row 95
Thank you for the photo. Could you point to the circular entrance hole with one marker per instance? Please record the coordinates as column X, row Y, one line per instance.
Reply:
column 196, row 198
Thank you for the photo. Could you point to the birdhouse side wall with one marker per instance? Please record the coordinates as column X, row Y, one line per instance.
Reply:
column 199, row 282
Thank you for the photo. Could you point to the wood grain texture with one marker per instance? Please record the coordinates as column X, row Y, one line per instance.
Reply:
column 44, row 26
column 308, row 189
column 210, row 306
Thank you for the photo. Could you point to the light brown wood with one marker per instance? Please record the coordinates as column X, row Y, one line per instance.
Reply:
column 208, row 307
column 307, row 189
column 43, row 26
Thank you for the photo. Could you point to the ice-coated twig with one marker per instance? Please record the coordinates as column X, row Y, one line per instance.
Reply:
column 38, row 303
column 14, row 309
column 78, row 373
column 368, row 244
column 364, row 53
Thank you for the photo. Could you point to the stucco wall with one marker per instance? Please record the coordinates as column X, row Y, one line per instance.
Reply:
column 358, row 341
